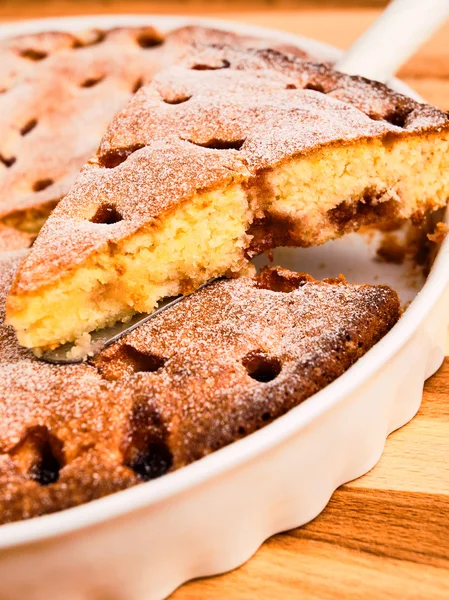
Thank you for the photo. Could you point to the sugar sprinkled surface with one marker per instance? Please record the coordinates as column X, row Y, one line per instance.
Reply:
column 180, row 380
column 61, row 90
column 230, row 358
column 271, row 105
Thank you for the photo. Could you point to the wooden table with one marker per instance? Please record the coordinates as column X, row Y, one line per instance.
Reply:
column 385, row 535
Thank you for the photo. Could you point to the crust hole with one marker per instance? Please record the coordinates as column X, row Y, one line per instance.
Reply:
column 127, row 361
column 28, row 127
column 149, row 39
column 91, row 82
column 144, row 448
column 225, row 64
column 137, row 85
column 155, row 460
column 47, row 471
column 266, row 416
column 241, row 430
column 42, row 184
column 8, row 162
column 216, row 144
column 106, row 214
column 35, row 55
column 142, row 362
column 39, row 455
column 398, row 118
column 114, row 158
column 316, row 87
column 261, row 367
column 178, row 100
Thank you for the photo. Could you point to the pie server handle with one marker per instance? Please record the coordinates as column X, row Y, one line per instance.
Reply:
column 393, row 38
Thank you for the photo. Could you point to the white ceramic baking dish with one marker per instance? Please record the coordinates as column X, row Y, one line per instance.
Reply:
column 211, row 516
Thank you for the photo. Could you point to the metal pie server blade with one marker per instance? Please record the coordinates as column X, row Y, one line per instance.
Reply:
column 105, row 337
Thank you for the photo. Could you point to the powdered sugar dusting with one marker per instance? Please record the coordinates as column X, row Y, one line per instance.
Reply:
column 226, row 114
column 180, row 379
column 58, row 93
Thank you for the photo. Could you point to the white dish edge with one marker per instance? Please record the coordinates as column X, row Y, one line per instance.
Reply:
column 421, row 332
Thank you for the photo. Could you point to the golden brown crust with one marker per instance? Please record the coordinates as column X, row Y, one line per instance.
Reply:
column 229, row 359
column 58, row 93
column 218, row 366
column 227, row 113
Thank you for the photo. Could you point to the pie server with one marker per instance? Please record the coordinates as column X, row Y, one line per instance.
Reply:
column 400, row 30
column 102, row 338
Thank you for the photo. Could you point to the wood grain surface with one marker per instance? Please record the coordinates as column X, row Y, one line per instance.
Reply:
column 40, row 7
column 385, row 535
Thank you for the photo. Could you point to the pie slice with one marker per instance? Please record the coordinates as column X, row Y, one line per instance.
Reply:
column 225, row 362
column 215, row 161
column 59, row 92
